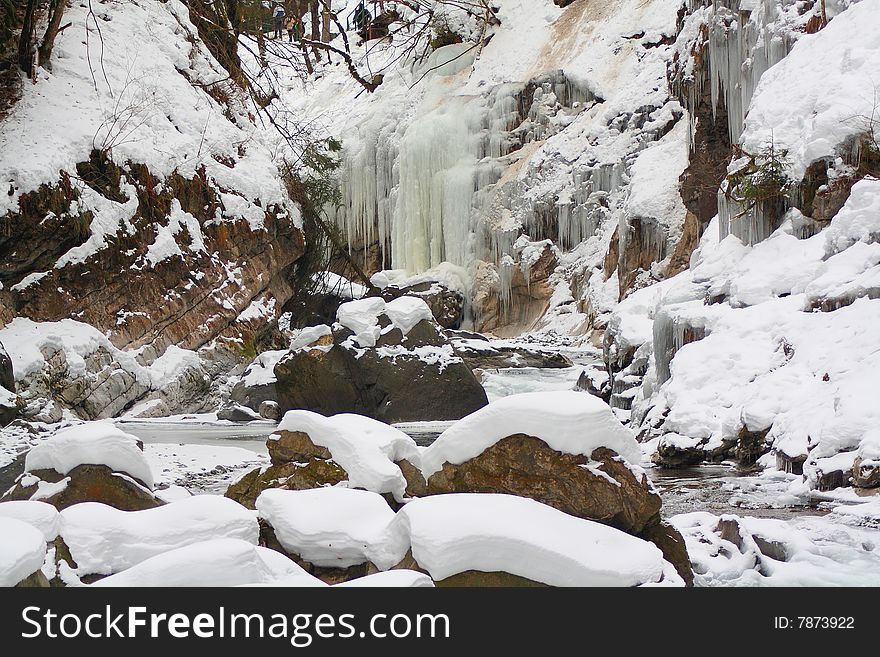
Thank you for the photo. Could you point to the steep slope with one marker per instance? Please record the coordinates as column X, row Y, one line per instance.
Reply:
column 766, row 345
column 141, row 195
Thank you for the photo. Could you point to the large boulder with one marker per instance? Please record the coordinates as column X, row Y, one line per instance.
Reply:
column 257, row 384
column 22, row 551
column 386, row 361
column 9, row 403
column 312, row 451
column 599, row 486
column 446, row 303
column 7, row 378
column 297, row 464
column 564, row 449
column 91, row 462
column 505, row 540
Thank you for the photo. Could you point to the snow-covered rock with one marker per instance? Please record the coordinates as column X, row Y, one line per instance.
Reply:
column 386, row 360
column 221, row 562
column 453, row 534
column 368, row 450
column 92, row 443
column 103, row 540
column 569, row 422
column 44, row 517
column 332, row 527
column 22, row 550
column 391, row 579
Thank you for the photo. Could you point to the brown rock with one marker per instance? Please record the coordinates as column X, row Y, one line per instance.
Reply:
column 672, row 545
column 865, row 475
column 526, row 466
column 294, row 446
column 89, row 483
column 305, row 475
column 35, row 581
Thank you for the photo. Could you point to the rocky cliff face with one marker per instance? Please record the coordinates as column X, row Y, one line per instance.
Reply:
column 155, row 212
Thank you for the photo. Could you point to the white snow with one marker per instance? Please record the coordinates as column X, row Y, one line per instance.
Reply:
column 220, row 562
column 146, row 103
column 362, row 317
column 95, row 443
column 41, row 515
column 405, row 312
column 451, row 534
column 22, row 550
column 569, row 422
column 391, row 579
column 330, row 283
column 365, row 448
column 331, row 527
column 303, row 338
column 105, row 540
column 262, row 370
column 822, row 93
column 814, row 552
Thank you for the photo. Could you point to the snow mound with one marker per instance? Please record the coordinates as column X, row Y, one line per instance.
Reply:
column 221, row 562
column 768, row 360
column 569, row 422
column 451, row 534
column 262, row 370
column 807, row 551
column 104, row 540
column 821, row 93
column 22, row 550
column 26, row 341
column 40, row 515
column 367, row 449
column 94, row 443
column 331, row 527
column 391, row 579
column 362, row 317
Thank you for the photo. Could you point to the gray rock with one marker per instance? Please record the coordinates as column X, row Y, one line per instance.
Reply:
column 270, row 410
column 409, row 385
column 237, row 413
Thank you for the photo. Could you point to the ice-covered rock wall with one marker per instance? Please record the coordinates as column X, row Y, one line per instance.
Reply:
column 459, row 158
column 763, row 346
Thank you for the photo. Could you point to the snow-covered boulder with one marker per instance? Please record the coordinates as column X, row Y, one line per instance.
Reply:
column 90, row 462
column 387, row 360
column 221, row 562
column 391, row 579
column 103, row 540
column 331, row 527
column 8, row 401
column 866, row 465
column 257, row 384
column 22, row 551
column 452, row 536
column 44, row 517
column 368, row 450
column 565, row 449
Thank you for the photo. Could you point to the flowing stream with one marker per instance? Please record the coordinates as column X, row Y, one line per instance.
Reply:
column 718, row 489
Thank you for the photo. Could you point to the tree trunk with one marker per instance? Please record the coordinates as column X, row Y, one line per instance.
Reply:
column 27, row 41
column 316, row 28
column 57, row 13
